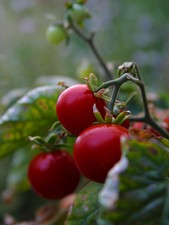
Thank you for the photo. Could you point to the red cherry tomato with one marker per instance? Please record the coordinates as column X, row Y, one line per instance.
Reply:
column 97, row 149
column 53, row 175
column 74, row 108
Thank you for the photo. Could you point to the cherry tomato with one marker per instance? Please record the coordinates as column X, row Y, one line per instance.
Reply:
column 79, row 12
column 53, row 175
column 74, row 108
column 55, row 34
column 97, row 149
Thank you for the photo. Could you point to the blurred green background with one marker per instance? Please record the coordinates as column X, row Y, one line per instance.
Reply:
column 132, row 30
column 126, row 30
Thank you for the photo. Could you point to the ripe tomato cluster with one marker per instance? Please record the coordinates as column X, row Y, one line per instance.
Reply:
column 98, row 146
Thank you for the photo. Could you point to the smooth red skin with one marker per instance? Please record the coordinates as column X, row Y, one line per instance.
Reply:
column 53, row 175
column 97, row 149
column 166, row 120
column 74, row 108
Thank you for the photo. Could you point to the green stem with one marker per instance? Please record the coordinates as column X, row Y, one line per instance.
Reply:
column 114, row 97
column 90, row 42
column 129, row 67
column 158, row 128
column 137, row 72
column 119, row 81
column 147, row 117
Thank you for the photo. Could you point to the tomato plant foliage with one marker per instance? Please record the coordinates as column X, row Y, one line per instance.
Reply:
column 132, row 172
column 141, row 196
column 135, row 193
column 33, row 113
column 86, row 206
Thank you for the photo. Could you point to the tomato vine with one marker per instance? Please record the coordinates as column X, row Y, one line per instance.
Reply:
column 92, row 147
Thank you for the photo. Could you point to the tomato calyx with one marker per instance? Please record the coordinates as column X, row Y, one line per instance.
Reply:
column 56, row 139
column 93, row 84
column 69, row 5
column 120, row 114
column 122, row 118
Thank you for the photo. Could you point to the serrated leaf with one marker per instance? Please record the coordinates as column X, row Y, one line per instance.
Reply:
column 32, row 115
column 142, row 196
column 86, row 206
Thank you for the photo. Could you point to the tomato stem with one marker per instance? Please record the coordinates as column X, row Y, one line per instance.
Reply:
column 114, row 97
column 89, row 39
column 117, row 84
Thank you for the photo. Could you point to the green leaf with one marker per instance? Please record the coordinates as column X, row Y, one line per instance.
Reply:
column 32, row 115
column 86, row 206
column 138, row 194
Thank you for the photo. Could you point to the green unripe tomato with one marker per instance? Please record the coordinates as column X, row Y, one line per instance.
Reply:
column 79, row 12
column 56, row 34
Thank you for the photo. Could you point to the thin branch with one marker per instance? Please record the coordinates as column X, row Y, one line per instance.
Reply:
column 114, row 97
column 147, row 117
column 89, row 40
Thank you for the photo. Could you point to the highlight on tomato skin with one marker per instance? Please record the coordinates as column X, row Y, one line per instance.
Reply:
column 97, row 149
column 53, row 175
column 74, row 108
